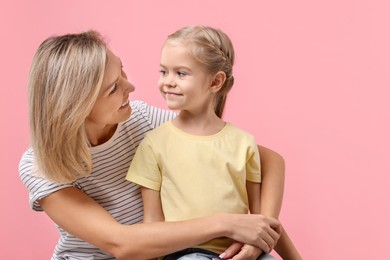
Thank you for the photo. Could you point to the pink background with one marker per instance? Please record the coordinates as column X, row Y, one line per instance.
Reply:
column 312, row 82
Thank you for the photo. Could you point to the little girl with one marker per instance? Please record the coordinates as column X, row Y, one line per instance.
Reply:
column 197, row 164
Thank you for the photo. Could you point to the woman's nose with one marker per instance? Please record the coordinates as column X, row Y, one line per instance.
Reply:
column 128, row 86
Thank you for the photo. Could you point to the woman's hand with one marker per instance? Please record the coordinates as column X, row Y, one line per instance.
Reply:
column 257, row 230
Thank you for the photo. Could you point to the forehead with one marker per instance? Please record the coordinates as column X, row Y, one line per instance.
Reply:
column 112, row 70
column 176, row 53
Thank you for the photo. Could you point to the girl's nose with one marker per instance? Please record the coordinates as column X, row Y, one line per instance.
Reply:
column 170, row 82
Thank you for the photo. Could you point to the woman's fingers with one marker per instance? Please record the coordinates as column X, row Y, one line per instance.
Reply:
column 255, row 229
column 269, row 233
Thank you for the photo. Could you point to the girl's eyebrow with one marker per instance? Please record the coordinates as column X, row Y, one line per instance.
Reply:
column 176, row 67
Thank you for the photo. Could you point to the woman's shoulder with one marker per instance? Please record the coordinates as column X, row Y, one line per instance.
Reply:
column 27, row 158
column 154, row 116
column 138, row 104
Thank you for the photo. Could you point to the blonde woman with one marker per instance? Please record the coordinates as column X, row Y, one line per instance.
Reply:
column 84, row 133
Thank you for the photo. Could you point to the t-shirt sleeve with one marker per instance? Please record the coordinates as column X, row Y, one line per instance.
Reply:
column 155, row 116
column 253, row 168
column 37, row 186
column 144, row 169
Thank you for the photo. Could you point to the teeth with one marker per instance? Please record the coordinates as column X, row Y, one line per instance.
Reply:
column 124, row 104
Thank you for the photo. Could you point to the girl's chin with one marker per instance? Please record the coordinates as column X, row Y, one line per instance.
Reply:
column 172, row 105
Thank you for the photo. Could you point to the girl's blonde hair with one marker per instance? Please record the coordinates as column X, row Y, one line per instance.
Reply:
column 65, row 78
column 212, row 48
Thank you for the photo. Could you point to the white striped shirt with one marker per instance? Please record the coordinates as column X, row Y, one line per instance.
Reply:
column 106, row 184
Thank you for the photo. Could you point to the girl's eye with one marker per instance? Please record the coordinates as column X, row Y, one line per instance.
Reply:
column 114, row 89
column 163, row 72
column 181, row 74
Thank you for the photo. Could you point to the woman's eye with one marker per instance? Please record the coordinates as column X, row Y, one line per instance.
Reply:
column 163, row 72
column 114, row 89
column 124, row 74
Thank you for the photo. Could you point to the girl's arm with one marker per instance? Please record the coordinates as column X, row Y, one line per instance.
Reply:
column 271, row 164
column 249, row 251
column 270, row 202
column 152, row 205
column 81, row 216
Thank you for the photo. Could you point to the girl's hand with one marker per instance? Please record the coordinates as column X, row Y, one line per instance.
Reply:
column 232, row 250
column 239, row 251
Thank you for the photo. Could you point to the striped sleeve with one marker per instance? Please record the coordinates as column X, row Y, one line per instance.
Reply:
column 38, row 187
column 156, row 116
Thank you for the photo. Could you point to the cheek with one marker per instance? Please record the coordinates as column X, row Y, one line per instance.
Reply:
column 101, row 109
column 95, row 109
column 160, row 83
column 94, row 115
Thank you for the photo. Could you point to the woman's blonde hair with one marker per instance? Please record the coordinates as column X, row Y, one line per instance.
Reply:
column 212, row 48
column 65, row 78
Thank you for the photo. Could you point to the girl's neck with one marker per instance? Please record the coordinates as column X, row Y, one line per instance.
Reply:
column 198, row 124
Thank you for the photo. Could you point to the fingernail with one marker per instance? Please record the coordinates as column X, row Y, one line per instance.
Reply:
column 221, row 256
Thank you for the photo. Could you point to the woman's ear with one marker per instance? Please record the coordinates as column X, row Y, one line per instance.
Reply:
column 218, row 81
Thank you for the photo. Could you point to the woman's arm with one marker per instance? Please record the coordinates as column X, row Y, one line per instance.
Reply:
column 272, row 189
column 272, row 183
column 81, row 216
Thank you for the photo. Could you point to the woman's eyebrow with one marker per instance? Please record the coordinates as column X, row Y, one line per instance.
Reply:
column 116, row 80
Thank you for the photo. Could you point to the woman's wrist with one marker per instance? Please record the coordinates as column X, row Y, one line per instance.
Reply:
column 221, row 225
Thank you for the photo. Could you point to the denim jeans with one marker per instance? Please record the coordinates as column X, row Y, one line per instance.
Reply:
column 202, row 254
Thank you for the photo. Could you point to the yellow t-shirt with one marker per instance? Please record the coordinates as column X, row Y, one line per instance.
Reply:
column 197, row 175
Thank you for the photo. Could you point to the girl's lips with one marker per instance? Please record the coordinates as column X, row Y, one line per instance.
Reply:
column 172, row 93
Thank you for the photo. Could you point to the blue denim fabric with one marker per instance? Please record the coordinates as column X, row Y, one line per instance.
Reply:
column 202, row 254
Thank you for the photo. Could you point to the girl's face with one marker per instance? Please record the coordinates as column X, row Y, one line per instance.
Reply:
column 184, row 82
column 112, row 105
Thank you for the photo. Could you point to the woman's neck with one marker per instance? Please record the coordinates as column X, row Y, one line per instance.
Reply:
column 99, row 134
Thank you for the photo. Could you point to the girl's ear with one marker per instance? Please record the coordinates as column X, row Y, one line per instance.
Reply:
column 217, row 82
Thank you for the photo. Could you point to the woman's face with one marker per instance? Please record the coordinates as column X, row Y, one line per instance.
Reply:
column 112, row 105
